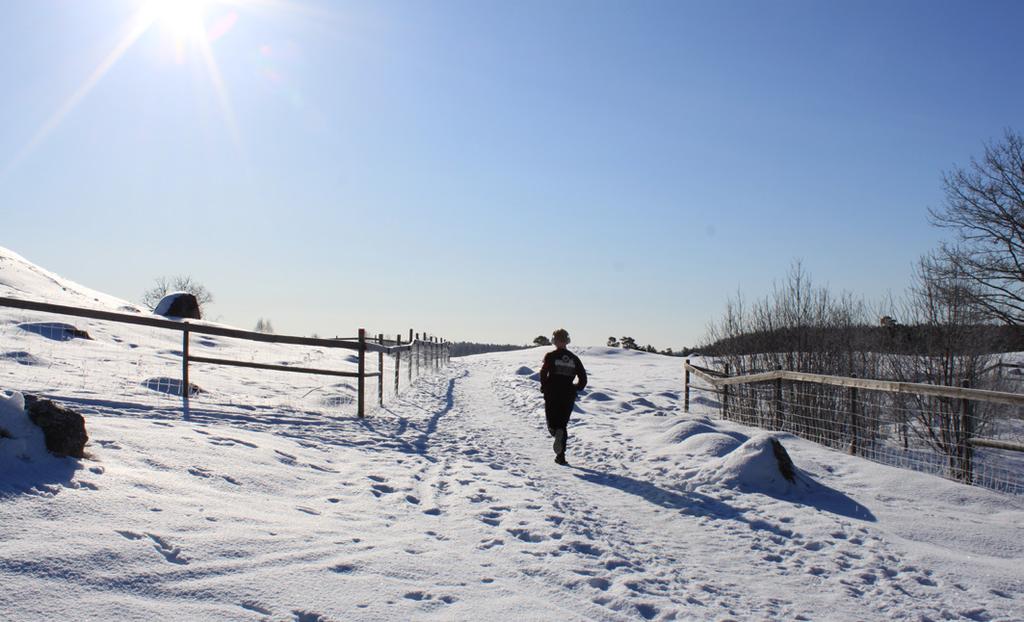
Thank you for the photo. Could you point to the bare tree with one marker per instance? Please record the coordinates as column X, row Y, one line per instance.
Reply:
column 985, row 208
column 164, row 285
column 953, row 349
column 264, row 326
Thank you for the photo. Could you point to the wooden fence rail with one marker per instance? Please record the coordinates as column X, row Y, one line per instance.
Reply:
column 435, row 350
column 722, row 382
column 891, row 386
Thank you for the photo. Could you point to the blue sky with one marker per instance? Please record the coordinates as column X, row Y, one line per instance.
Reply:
column 493, row 170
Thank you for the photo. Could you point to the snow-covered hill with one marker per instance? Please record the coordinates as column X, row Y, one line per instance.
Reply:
column 271, row 501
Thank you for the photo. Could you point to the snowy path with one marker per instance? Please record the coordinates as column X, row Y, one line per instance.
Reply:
column 447, row 505
column 611, row 538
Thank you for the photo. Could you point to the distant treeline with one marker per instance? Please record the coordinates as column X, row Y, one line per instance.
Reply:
column 465, row 348
column 896, row 339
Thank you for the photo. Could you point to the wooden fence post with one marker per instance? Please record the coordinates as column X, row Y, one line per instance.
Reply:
column 361, row 381
column 725, row 396
column 686, row 386
column 412, row 345
column 380, row 371
column 184, row 366
column 966, row 450
column 398, row 361
column 778, row 401
column 854, row 421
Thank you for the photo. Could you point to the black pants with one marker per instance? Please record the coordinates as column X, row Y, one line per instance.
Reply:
column 557, row 410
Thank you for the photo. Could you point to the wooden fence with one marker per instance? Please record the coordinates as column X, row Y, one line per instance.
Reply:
column 423, row 351
column 864, row 415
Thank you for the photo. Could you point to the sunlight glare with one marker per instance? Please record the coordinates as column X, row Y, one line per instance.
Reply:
column 183, row 19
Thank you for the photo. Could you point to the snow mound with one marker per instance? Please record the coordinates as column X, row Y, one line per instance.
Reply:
column 524, row 371
column 687, row 428
column 642, row 402
column 712, row 445
column 758, row 465
column 598, row 396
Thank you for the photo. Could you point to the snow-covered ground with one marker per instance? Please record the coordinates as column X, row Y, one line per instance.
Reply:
column 446, row 503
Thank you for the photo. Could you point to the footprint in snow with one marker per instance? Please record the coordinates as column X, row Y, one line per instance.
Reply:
column 491, row 518
column 248, row 605
column 170, row 553
column 284, row 458
column 199, row 472
column 582, row 548
column 322, row 469
column 381, row 489
column 129, row 535
column 228, row 441
column 526, row 535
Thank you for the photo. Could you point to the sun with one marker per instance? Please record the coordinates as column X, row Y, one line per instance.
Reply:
column 182, row 19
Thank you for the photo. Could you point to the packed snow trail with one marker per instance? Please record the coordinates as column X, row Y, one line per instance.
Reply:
column 446, row 504
column 610, row 537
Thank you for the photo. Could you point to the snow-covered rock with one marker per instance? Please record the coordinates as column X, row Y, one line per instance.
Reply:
column 24, row 441
column 760, row 464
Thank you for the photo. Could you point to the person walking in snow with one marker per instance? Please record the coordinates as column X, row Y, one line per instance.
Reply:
column 561, row 367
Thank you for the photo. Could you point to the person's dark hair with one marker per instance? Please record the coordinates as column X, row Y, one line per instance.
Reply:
column 561, row 335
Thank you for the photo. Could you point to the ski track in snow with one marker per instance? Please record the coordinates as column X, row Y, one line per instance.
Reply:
column 446, row 504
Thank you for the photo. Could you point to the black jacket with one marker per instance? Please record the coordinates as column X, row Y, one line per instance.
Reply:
column 558, row 371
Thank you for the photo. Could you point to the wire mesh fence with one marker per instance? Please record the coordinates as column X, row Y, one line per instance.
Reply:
column 967, row 440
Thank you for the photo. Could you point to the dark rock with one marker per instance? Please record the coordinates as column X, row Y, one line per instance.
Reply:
column 63, row 428
column 785, row 462
column 179, row 304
